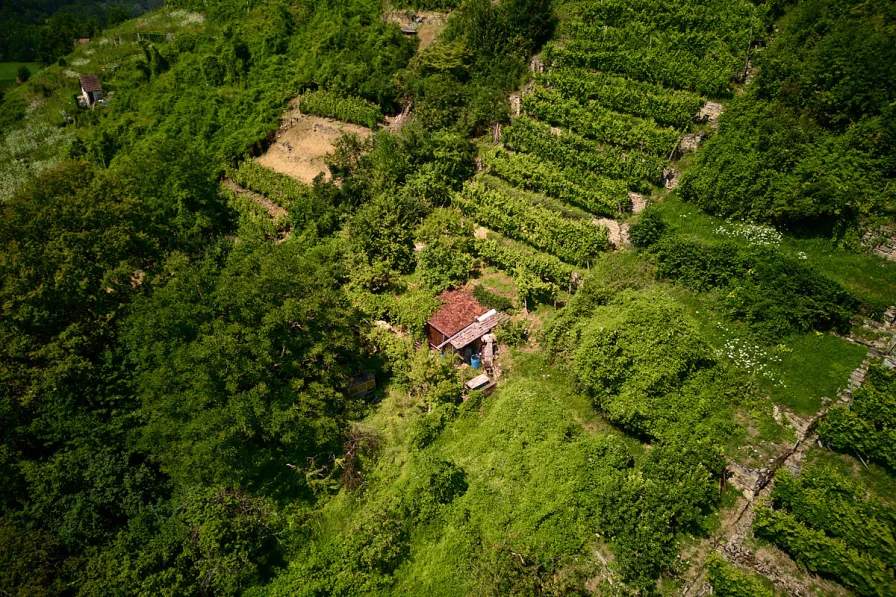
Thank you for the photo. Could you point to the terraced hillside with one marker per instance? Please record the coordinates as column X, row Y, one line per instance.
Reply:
column 623, row 82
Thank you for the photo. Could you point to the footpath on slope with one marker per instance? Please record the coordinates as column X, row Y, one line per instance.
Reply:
column 757, row 484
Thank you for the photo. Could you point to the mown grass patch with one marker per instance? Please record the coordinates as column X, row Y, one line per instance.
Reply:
column 9, row 71
column 812, row 366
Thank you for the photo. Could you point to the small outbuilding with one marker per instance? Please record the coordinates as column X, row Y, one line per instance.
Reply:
column 460, row 325
column 91, row 90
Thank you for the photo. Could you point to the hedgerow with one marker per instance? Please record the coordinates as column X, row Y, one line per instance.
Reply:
column 773, row 294
column 345, row 108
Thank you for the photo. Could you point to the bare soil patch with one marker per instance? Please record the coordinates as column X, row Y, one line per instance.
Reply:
column 302, row 143
column 618, row 233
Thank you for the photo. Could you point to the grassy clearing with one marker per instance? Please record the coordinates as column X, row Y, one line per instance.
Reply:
column 9, row 70
column 798, row 372
column 871, row 279
column 813, row 366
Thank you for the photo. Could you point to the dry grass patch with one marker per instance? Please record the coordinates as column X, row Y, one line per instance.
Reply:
column 303, row 142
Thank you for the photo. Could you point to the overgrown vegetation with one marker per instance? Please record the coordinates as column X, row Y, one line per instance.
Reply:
column 809, row 147
column 184, row 330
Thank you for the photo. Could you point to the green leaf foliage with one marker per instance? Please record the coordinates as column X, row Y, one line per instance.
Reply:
column 867, row 426
column 223, row 404
column 772, row 293
column 828, row 556
column 729, row 581
column 810, row 147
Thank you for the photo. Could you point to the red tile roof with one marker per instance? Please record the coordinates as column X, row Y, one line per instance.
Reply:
column 459, row 310
column 90, row 83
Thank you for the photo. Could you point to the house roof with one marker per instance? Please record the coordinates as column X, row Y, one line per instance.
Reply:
column 472, row 332
column 459, row 309
column 90, row 83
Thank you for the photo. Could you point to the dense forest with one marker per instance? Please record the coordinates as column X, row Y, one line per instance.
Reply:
column 684, row 212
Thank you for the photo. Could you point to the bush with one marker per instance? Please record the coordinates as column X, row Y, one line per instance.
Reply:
column 773, row 294
column 23, row 74
column 512, row 333
column 491, row 300
column 649, row 228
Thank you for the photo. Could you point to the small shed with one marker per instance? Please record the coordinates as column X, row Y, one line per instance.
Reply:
column 361, row 385
column 459, row 309
column 91, row 90
column 462, row 325
column 81, row 42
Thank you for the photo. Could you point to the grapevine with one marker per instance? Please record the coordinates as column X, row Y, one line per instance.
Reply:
column 596, row 122
column 590, row 192
column 508, row 258
column 347, row 109
column 571, row 150
column 573, row 241
column 675, row 108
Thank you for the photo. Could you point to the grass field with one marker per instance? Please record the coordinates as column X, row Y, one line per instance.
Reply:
column 8, row 71
column 871, row 279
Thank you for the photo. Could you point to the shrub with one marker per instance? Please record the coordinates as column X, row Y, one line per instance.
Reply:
column 23, row 74
column 649, row 228
column 492, row 300
column 512, row 333
column 773, row 294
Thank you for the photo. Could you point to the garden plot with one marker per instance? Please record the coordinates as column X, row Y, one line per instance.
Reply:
column 303, row 142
